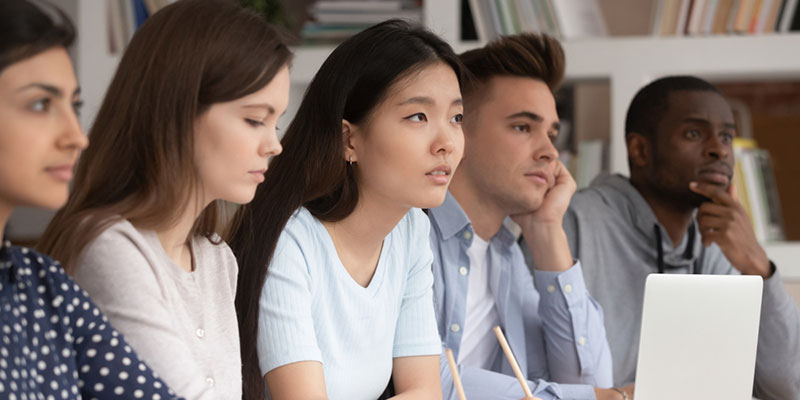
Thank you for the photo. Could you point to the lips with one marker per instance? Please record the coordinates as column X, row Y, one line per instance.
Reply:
column 539, row 177
column 440, row 175
column 61, row 173
column 258, row 174
column 718, row 174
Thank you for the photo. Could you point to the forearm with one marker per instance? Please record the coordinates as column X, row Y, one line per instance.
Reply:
column 575, row 340
column 548, row 243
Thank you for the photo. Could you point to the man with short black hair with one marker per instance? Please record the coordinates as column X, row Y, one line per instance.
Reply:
column 677, row 214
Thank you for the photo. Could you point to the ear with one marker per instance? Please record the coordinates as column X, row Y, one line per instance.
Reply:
column 350, row 140
column 639, row 149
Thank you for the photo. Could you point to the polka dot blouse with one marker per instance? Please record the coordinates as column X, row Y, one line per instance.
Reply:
column 56, row 344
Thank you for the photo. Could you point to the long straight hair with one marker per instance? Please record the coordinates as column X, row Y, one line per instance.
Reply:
column 140, row 163
column 311, row 170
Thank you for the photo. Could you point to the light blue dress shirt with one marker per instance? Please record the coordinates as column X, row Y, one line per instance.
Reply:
column 553, row 326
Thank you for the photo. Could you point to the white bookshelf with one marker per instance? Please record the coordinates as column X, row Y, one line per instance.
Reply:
column 627, row 63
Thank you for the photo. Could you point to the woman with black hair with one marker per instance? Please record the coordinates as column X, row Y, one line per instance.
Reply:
column 335, row 282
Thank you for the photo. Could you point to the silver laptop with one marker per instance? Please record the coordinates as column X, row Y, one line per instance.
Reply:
column 699, row 337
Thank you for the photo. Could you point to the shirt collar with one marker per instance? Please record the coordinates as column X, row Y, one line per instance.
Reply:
column 449, row 217
column 451, row 220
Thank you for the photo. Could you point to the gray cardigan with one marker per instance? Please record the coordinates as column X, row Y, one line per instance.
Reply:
column 183, row 324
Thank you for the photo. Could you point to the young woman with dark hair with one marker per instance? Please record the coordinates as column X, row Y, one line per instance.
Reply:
column 188, row 122
column 54, row 341
column 335, row 278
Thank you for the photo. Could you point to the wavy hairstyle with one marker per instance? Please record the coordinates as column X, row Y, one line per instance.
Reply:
column 311, row 171
column 139, row 165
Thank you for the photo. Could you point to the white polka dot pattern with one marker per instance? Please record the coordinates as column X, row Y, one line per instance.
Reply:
column 56, row 344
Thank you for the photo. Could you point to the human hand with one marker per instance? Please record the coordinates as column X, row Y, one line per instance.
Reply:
column 725, row 222
column 555, row 202
column 614, row 394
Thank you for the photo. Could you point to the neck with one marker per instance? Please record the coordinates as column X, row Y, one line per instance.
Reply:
column 486, row 216
column 674, row 219
column 175, row 239
column 5, row 214
column 363, row 231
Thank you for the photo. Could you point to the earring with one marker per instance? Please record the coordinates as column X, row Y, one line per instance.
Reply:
column 350, row 160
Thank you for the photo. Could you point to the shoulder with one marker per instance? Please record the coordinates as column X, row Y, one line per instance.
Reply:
column 301, row 241
column 415, row 225
column 29, row 264
column 119, row 251
column 121, row 236
column 587, row 199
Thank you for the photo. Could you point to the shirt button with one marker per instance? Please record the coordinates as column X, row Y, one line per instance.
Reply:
column 581, row 340
column 463, row 271
column 568, row 288
column 467, row 235
column 551, row 288
column 210, row 381
column 455, row 327
column 200, row 332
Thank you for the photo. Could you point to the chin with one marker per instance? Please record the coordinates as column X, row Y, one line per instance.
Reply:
column 430, row 201
column 242, row 197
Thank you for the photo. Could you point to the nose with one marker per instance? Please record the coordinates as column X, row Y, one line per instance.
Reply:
column 544, row 148
column 716, row 148
column 270, row 145
column 72, row 137
column 448, row 139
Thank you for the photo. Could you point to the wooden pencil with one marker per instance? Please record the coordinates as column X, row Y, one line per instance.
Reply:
column 513, row 361
column 456, row 378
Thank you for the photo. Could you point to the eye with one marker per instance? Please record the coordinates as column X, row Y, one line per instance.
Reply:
column 253, row 122
column 692, row 134
column 418, row 117
column 41, row 105
column 457, row 118
column 521, row 128
column 727, row 137
column 76, row 106
column 552, row 135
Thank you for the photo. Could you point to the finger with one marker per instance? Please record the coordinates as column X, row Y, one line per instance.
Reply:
column 715, row 193
column 732, row 193
column 711, row 221
column 562, row 174
column 715, row 209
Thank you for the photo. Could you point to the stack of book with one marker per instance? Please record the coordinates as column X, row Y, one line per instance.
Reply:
column 559, row 18
column 335, row 20
column 125, row 16
column 714, row 17
column 754, row 182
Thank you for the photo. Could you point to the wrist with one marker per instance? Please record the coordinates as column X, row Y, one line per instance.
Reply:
column 759, row 264
column 623, row 395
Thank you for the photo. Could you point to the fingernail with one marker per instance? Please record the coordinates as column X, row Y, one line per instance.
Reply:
column 692, row 184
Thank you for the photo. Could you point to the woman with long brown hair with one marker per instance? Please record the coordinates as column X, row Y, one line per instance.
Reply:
column 335, row 286
column 188, row 121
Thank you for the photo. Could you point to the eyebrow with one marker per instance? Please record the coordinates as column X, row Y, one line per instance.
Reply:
column 55, row 91
column 270, row 109
column 428, row 101
column 534, row 117
column 696, row 120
